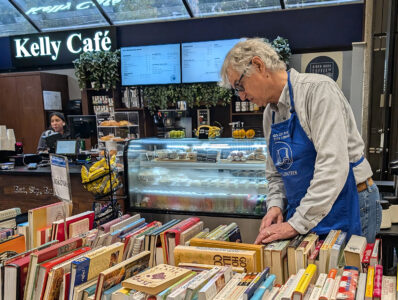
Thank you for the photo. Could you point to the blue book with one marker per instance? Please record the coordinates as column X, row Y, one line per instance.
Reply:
column 126, row 228
column 108, row 293
column 266, row 285
column 78, row 273
column 254, row 285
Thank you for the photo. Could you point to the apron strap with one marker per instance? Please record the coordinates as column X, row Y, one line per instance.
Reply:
column 358, row 162
column 290, row 92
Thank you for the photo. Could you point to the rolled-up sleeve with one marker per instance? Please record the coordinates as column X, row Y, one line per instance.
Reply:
column 276, row 189
column 326, row 123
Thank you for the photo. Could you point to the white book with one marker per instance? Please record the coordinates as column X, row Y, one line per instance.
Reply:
column 288, row 292
column 327, row 289
column 284, row 287
column 388, row 290
column 316, row 292
column 179, row 294
column 353, row 252
column 271, row 295
column 229, row 287
column 9, row 213
column 215, row 284
column 308, row 293
column 202, row 279
column 335, row 288
column 361, row 287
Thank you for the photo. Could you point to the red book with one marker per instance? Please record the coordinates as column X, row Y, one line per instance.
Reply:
column 47, row 254
column 374, row 257
column 348, row 283
column 45, row 268
column 315, row 253
column 59, row 226
column 66, row 284
column 366, row 257
column 175, row 232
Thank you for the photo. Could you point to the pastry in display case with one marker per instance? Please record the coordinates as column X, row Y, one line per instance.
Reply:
column 221, row 176
column 115, row 129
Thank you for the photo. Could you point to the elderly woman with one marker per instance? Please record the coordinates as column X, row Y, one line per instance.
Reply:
column 57, row 125
column 318, row 177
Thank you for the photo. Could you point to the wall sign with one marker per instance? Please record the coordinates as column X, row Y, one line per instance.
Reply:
column 52, row 100
column 325, row 63
column 59, row 48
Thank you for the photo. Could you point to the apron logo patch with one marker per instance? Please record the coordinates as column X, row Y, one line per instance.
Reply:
column 283, row 154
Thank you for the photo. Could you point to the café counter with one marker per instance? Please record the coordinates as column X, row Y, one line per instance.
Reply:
column 28, row 189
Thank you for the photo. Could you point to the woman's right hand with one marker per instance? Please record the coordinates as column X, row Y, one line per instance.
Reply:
column 274, row 216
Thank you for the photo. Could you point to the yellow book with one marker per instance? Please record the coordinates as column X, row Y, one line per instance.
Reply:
column 230, row 245
column 156, row 279
column 369, row 283
column 216, row 256
column 304, row 282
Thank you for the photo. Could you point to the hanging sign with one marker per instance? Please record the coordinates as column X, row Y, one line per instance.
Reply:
column 59, row 48
column 60, row 177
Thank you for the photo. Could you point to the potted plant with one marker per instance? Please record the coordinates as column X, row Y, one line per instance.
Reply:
column 195, row 95
column 99, row 68
column 282, row 47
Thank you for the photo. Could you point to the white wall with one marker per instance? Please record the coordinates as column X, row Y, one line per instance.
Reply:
column 74, row 90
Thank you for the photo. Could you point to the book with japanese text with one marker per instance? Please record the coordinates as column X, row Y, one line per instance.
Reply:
column 348, row 284
column 353, row 251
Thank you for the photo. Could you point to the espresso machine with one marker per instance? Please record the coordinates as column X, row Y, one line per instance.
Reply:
column 168, row 120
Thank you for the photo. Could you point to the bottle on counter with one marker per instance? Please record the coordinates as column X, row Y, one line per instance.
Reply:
column 237, row 105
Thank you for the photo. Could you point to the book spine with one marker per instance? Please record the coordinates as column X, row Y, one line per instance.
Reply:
column 335, row 287
column 266, row 285
column 305, row 280
column 378, row 282
column 348, row 284
column 255, row 284
column 374, row 258
column 388, row 287
column 366, row 257
column 369, row 283
column 287, row 294
column 316, row 292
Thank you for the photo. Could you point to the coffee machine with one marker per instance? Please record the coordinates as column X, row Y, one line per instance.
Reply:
column 172, row 119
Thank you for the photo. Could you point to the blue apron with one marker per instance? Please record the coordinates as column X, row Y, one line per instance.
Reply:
column 294, row 157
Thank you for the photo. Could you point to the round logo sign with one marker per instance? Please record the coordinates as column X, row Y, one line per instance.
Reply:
column 324, row 65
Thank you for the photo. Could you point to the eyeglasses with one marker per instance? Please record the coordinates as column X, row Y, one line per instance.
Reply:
column 238, row 87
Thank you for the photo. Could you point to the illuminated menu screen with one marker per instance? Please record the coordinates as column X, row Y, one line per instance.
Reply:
column 145, row 65
column 202, row 61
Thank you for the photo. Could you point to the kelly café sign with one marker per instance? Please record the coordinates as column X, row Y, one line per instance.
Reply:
column 60, row 48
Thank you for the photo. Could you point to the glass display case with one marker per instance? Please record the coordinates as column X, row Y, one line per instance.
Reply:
column 223, row 176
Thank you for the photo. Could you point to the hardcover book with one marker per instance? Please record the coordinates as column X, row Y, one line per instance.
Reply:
column 44, row 216
column 59, row 232
column 116, row 274
column 216, row 256
column 156, row 279
column 91, row 265
column 259, row 249
column 38, row 257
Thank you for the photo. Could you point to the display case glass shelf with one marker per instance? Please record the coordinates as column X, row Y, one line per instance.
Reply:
column 222, row 176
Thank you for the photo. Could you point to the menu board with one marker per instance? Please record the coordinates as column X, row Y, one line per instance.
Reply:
column 202, row 61
column 157, row 64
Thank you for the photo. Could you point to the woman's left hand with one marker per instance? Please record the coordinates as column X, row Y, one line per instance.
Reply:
column 275, row 232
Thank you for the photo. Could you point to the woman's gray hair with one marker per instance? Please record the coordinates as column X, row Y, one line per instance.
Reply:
column 239, row 57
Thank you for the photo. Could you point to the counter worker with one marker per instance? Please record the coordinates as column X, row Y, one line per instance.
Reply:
column 317, row 175
column 57, row 125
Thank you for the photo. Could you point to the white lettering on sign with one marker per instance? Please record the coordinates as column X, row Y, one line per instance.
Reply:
column 68, row 6
column 44, row 46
